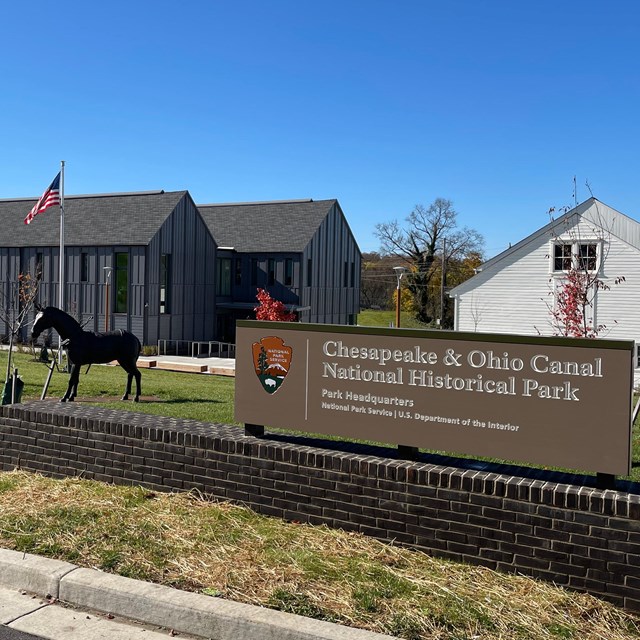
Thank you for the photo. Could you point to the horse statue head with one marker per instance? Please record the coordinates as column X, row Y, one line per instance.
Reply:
column 50, row 317
column 38, row 323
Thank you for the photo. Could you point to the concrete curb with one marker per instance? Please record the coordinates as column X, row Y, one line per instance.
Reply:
column 32, row 573
column 163, row 606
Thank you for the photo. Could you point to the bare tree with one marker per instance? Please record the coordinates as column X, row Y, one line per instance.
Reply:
column 476, row 310
column 420, row 242
column 378, row 280
column 16, row 301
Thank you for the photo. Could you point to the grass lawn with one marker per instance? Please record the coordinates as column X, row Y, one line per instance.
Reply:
column 374, row 318
column 228, row 551
column 178, row 395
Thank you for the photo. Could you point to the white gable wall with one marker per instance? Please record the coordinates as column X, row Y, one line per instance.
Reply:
column 510, row 297
column 619, row 307
column 513, row 295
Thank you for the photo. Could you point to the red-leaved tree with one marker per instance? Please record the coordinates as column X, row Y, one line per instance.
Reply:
column 271, row 309
column 572, row 304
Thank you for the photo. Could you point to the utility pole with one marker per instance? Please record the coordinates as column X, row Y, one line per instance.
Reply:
column 443, row 280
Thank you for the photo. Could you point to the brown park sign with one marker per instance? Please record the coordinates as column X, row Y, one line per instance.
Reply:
column 547, row 401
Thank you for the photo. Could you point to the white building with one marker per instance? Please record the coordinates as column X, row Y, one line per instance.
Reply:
column 515, row 291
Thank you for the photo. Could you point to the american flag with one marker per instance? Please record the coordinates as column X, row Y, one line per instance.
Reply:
column 48, row 199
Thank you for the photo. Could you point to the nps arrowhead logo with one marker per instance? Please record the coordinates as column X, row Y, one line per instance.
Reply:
column 271, row 361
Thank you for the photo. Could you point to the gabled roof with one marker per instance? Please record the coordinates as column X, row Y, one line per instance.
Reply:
column 89, row 220
column 592, row 210
column 260, row 227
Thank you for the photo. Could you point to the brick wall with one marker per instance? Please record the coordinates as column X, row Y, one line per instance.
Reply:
column 553, row 526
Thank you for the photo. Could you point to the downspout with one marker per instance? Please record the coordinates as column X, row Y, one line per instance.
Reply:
column 456, row 311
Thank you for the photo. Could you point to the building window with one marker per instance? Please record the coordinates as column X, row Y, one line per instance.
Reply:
column 84, row 267
column 165, row 283
column 309, row 279
column 39, row 265
column 562, row 257
column 254, row 272
column 288, row 272
column 224, row 277
column 637, row 356
column 581, row 255
column 353, row 274
column 122, row 282
column 238, row 272
column 271, row 277
column 588, row 256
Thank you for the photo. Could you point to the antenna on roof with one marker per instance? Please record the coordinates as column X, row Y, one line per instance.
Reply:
column 586, row 184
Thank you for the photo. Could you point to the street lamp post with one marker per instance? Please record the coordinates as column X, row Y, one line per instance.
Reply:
column 400, row 271
column 107, row 271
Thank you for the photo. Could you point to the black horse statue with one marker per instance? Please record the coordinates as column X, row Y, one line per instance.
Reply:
column 85, row 347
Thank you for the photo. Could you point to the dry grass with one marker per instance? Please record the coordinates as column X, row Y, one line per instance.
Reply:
column 223, row 550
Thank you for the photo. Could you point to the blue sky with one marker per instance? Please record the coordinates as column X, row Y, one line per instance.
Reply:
column 495, row 105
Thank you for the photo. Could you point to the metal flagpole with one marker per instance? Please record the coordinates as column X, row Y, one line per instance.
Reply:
column 62, row 256
column 61, row 265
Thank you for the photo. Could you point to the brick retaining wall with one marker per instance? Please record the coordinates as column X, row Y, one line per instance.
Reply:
column 552, row 526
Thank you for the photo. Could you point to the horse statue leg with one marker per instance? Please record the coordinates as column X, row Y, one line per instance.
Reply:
column 132, row 372
column 72, row 388
column 127, row 390
column 138, row 377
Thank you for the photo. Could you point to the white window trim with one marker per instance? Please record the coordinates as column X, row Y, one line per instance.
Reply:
column 575, row 244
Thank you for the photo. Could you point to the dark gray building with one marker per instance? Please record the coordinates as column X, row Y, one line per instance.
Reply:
column 150, row 262
column 301, row 251
column 146, row 259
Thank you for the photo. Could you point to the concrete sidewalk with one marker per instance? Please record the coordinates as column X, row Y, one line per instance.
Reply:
column 48, row 618
column 131, row 609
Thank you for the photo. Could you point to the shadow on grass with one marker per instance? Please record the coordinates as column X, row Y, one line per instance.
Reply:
column 445, row 460
column 143, row 400
column 191, row 401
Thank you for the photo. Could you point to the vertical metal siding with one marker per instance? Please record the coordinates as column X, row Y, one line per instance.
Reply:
column 186, row 238
column 331, row 247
